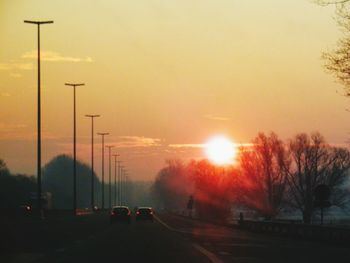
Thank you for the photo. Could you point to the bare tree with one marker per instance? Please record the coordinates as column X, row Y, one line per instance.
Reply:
column 264, row 175
column 172, row 186
column 314, row 163
column 3, row 168
column 337, row 61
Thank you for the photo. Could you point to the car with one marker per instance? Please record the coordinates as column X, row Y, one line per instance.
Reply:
column 120, row 214
column 144, row 213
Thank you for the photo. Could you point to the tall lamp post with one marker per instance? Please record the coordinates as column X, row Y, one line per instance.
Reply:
column 74, row 85
column 115, row 177
column 124, row 186
column 38, row 23
column 92, row 158
column 109, row 147
column 119, row 169
column 103, row 134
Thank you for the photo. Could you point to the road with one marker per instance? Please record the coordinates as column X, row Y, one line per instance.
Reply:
column 227, row 244
column 171, row 239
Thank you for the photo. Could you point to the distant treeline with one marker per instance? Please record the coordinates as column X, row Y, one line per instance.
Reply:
column 57, row 178
column 269, row 176
column 14, row 188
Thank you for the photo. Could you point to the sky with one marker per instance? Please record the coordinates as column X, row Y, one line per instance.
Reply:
column 165, row 76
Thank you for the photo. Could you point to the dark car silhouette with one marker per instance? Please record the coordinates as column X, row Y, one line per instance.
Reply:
column 120, row 214
column 144, row 213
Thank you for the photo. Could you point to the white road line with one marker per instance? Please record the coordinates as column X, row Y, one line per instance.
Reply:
column 171, row 228
column 212, row 257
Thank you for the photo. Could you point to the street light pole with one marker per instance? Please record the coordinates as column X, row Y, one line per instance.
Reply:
column 109, row 176
column 92, row 158
column 103, row 167
column 123, row 186
column 38, row 23
column 74, row 147
column 115, row 177
column 120, row 184
column 119, row 196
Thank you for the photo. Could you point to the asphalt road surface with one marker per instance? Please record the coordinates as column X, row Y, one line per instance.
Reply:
column 169, row 239
column 226, row 244
column 137, row 242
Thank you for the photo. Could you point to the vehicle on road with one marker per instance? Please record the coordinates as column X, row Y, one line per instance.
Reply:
column 144, row 213
column 120, row 214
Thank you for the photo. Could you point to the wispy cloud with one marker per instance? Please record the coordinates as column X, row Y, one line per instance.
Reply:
column 136, row 141
column 186, row 145
column 25, row 136
column 216, row 118
column 16, row 65
column 54, row 57
column 8, row 127
column 203, row 145
column 13, row 131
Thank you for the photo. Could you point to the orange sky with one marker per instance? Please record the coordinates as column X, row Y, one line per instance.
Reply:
column 163, row 73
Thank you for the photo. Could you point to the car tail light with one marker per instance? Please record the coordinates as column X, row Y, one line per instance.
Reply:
column 137, row 213
column 113, row 213
column 129, row 213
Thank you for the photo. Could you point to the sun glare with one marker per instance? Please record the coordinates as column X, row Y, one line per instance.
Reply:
column 221, row 150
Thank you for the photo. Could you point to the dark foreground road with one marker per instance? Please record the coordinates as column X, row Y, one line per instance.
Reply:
column 137, row 242
column 225, row 244
column 98, row 241
column 169, row 239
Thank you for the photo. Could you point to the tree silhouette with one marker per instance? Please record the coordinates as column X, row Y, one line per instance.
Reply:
column 15, row 189
column 337, row 61
column 263, row 175
column 315, row 163
column 58, row 180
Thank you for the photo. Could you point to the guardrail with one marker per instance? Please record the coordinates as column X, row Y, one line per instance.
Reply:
column 297, row 230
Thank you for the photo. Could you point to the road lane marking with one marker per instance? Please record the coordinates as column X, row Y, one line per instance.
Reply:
column 171, row 228
column 164, row 224
column 188, row 232
column 211, row 256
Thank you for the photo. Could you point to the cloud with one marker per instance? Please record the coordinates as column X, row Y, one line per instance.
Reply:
column 13, row 131
column 54, row 57
column 15, row 65
column 136, row 141
column 203, row 145
column 8, row 127
column 25, row 136
column 186, row 145
column 216, row 118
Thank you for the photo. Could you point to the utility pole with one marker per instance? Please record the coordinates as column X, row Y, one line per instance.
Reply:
column 38, row 23
column 119, row 188
column 103, row 167
column 74, row 85
column 109, row 176
column 92, row 159
column 115, row 177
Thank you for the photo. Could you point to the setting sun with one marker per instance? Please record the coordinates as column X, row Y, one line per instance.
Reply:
column 221, row 150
